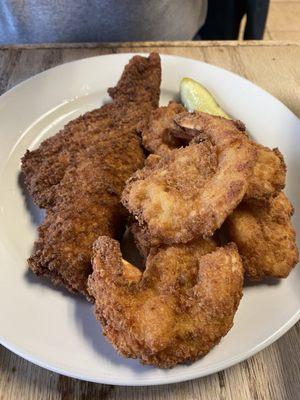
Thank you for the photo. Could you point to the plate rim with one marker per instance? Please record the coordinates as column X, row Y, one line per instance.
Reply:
column 127, row 56
column 165, row 380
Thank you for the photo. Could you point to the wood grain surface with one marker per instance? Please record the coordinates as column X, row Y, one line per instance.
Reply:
column 273, row 373
column 283, row 20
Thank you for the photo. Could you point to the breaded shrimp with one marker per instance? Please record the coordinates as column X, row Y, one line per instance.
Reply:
column 176, row 310
column 268, row 177
column 268, row 174
column 144, row 242
column 158, row 132
column 190, row 192
column 265, row 238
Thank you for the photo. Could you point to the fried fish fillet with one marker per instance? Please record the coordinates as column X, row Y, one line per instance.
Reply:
column 265, row 238
column 79, row 174
column 176, row 310
column 158, row 132
column 191, row 191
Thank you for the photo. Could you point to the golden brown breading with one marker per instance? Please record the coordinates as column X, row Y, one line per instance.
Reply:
column 164, row 194
column 207, row 125
column 265, row 238
column 158, row 132
column 141, row 239
column 144, row 242
column 191, row 191
column 79, row 174
column 269, row 171
column 176, row 310
column 45, row 167
column 268, row 177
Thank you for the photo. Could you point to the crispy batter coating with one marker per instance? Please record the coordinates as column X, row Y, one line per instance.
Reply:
column 79, row 174
column 45, row 167
column 269, row 171
column 268, row 177
column 265, row 238
column 142, row 239
column 191, row 191
column 159, row 132
column 165, row 192
column 176, row 310
column 203, row 125
column 144, row 242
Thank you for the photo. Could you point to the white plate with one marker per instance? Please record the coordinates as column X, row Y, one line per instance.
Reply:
column 58, row 331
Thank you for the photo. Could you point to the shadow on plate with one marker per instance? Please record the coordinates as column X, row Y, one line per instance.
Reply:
column 87, row 323
column 33, row 279
column 91, row 330
column 263, row 282
column 37, row 215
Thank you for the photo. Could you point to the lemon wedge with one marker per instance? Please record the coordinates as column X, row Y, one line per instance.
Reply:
column 195, row 97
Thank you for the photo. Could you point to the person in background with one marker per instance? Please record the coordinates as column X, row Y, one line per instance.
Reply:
column 48, row 21
column 224, row 19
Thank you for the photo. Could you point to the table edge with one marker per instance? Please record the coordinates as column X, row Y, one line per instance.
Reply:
column 160, row 44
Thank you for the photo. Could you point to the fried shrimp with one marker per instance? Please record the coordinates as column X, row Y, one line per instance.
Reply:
column 268, row 177
column 265, row 238
column 159, row 132
column 192, row 190
column 268, row 174
column 176, row 310
column 144, row 242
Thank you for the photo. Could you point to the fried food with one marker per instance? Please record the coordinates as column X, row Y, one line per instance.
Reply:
column 268, row 177
column 191, row 191
column 269, row 171
column 45, row 167
column 268, row 174
column 265, row 238
column 176, row 310
column 221, row 131
column 144, row 242
column 79, row 174
column 163, row 195
column 142, row 239
column 158, row 132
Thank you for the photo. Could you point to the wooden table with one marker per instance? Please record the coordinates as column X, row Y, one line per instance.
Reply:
column 274, row 373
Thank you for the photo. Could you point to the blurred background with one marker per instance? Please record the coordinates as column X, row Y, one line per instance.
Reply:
column 62, row 21
column 252, row 19
column 283, row 22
